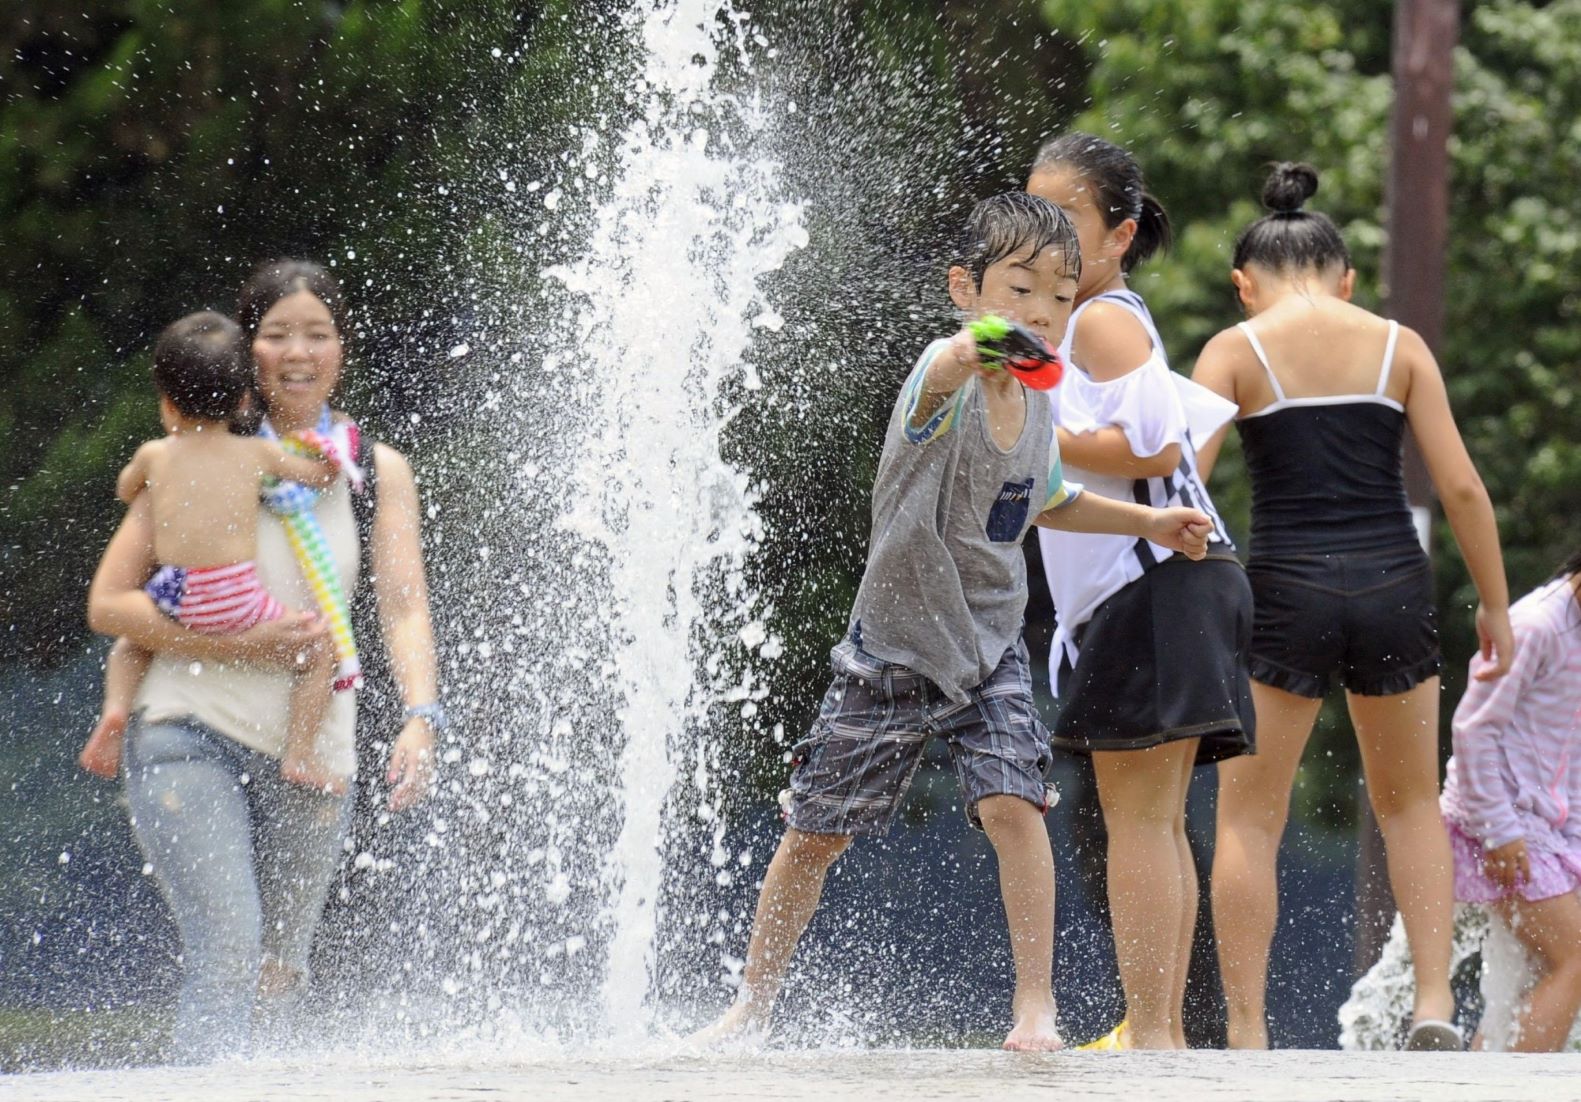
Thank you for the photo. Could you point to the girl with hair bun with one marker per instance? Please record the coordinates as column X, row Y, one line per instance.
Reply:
column 1149, row 658
column 1324, row 391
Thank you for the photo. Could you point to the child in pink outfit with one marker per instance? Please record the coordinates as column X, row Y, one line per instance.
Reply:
column 1512, row 800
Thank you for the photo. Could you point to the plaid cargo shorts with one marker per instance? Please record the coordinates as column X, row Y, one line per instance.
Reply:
column 855, row 765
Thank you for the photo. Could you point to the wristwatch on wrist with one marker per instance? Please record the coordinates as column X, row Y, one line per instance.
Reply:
column 434, row 713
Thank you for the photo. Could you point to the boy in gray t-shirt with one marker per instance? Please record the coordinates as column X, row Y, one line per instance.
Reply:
column 934, row 646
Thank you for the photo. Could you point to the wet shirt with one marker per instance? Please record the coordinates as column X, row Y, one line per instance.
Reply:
column 945, row 587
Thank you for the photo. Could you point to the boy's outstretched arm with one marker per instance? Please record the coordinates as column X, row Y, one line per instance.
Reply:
column 945, row 374
column 1184, row 530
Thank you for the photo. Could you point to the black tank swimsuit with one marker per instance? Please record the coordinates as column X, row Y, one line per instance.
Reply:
column 1340, row 581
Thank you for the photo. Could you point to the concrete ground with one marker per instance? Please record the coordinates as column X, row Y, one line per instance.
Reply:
column 836, row 1075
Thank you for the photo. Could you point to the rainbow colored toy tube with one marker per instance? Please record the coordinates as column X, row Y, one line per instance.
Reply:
column 293, row 504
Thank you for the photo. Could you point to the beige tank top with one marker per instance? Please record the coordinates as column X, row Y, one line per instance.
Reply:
column 250, row 703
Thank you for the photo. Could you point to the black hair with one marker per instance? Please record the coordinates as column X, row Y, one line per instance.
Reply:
column 278, row 279
column 1289, row 237
column 1119, row 191
column 201, row 366
column 1013, row 222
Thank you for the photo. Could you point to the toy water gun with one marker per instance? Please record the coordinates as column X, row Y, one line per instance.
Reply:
column 1004, row 345
column 293, row 503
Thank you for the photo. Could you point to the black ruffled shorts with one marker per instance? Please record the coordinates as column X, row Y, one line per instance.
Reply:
column 1368, row 617
column 1161, row 660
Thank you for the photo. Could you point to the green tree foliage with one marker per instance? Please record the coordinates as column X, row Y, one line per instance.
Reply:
column 153, row 151
column 1513, row 350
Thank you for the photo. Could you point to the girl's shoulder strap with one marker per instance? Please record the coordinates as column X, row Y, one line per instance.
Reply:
column 1388, row 356
column 1126, row 298
column 1262, row 358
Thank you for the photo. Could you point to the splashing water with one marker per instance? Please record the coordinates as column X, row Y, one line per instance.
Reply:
column 669, row 282
column 634, row 531
column 1378, row 1013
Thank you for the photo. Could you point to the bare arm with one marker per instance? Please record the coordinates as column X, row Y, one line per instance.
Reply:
column 1216, row 369
column 118, row 606
column 946, row 373
column 1184, row 530
column 1208, row 454
column 402, row 593
column 1110, row 344
column 134, row 476
column 1107, row 451
column 1465, row 499
column 319, row 473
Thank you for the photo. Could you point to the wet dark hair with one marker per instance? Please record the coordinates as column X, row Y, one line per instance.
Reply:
column 1118, row 190
column 201, row 365
column 1013, row 222
column 274, row 280
column 1289, row 237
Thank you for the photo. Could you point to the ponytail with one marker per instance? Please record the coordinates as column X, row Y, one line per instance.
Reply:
column 1153, row 233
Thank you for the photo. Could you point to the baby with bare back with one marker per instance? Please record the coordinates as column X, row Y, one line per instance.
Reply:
column 203, row 484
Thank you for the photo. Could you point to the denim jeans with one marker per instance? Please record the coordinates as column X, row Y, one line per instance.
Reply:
column 245, row 862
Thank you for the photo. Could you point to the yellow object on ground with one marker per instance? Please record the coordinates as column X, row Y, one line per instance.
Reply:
column 1117, row 1039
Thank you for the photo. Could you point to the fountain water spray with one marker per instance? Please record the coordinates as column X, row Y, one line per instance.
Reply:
column 633, row 528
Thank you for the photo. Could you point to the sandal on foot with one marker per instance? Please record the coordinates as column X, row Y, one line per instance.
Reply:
column 1434, row 1035
column 1117, row 1039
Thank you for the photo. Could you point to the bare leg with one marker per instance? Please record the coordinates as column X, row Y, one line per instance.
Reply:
column 1026, row 884
column 1551, row 931
column 311, row 688
column 1254, row 803
column 792, row 887
column 123, row 673
column 1141, row 798
column 1190, row 898
column 1398, row 736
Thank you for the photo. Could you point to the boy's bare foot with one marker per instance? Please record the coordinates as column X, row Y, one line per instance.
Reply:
column 742, row 1025
column 1035, row 1030
column 306, row 771
column 101, row 755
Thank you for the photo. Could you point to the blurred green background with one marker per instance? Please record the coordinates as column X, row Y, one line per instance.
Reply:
column 152, row 151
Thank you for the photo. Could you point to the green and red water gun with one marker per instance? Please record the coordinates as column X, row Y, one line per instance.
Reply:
column 1003, row 345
